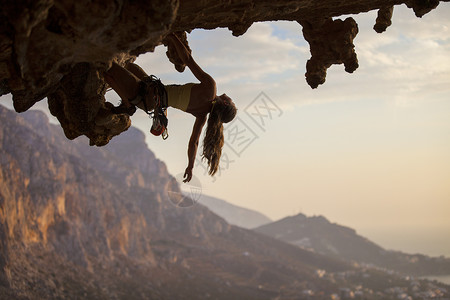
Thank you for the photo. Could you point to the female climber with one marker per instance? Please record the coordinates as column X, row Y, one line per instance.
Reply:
column 136, row 88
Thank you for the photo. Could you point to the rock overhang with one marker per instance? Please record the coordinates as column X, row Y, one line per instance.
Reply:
column 59, row 49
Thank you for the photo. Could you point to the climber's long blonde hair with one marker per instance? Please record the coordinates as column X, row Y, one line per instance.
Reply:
column 214, row 140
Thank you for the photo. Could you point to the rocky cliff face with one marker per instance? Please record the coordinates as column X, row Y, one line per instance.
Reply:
column 54, row 188
column 80, row 222
column 58, row 49
column 84, row 207
column 86, row 222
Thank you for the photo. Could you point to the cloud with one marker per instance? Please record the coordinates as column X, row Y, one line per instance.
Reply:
column 408, row 63
column 255, row 56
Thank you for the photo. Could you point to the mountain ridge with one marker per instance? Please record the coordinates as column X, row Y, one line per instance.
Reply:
column 234, row 214
column 71, row 227
column 80, row 222
column 318, row 234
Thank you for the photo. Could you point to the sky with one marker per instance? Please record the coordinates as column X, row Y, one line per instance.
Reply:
column 368, row 150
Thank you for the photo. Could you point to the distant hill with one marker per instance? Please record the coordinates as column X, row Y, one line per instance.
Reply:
column 81, row 222
column 319, row 235
column 233, row 214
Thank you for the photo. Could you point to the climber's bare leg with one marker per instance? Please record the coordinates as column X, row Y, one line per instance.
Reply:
column 125, row 83
column 140, row 73
column 136, row 70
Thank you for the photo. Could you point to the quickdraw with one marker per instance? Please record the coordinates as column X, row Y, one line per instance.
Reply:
column 159, row 113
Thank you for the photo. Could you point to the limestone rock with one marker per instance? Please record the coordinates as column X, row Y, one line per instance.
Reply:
column 48, row 46
column 172, row 54
column 81, row 109
column 45, row 43
column 331, row 42
column 383, row 20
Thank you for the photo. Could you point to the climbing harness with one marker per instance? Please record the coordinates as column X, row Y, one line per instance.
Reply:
column 159, row 113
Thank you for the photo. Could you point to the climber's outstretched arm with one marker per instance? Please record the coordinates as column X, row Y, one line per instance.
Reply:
column 189, row 61
column 193, row 145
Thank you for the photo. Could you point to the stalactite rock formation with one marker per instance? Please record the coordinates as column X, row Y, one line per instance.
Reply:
column 59, row 49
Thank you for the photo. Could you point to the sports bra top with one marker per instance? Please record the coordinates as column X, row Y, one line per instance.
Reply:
column 178, row 96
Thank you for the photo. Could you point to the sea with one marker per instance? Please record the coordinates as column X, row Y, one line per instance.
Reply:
column 441, row 278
